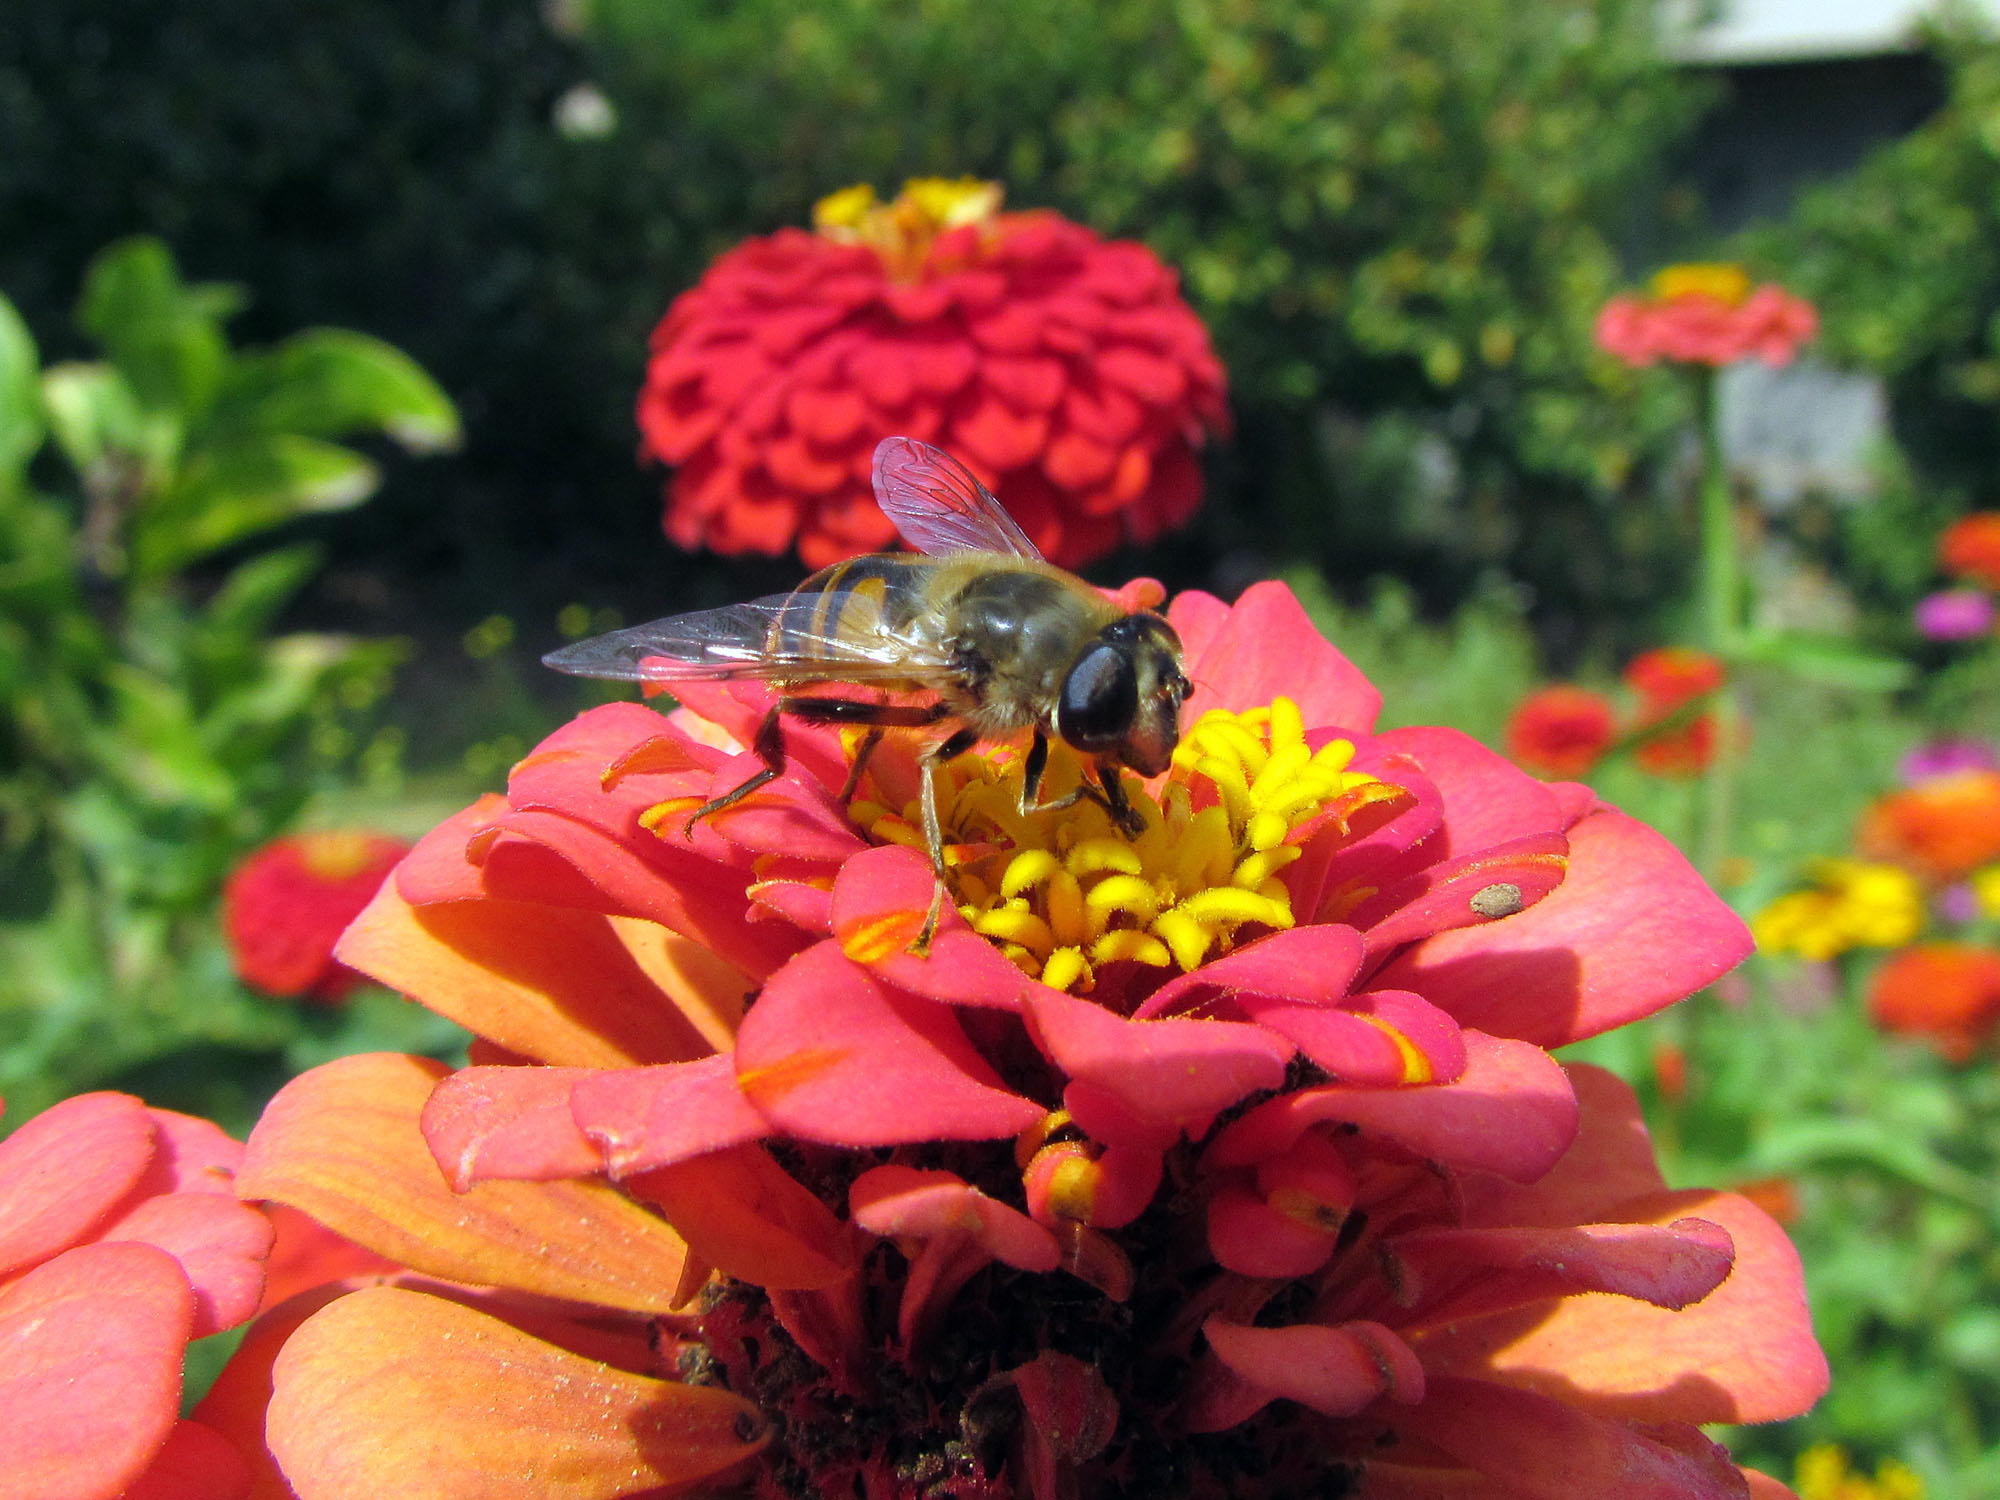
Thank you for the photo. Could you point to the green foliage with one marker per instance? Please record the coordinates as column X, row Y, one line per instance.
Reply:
column 156, row 731
column 1902, row 258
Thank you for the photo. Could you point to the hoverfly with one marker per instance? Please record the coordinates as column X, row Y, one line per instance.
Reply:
column 999, row 639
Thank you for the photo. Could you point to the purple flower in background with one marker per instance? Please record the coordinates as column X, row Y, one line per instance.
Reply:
column 1954, row 615
column 1958, row 903
column 1947, row 757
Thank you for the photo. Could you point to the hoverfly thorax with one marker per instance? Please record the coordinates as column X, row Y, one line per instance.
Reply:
column 1121, row 700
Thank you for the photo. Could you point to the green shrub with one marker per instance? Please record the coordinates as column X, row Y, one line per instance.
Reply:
column 154, row 732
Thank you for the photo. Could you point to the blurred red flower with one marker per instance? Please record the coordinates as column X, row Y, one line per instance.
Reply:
column 1065, row 370
column 1666, row 681
column 1561, row 730
column 1943, row 828
column 811, row 1244
column 121, row 1238
column 1706, row 315
column 1969, row 548
column 286, row 905
column 1947, row 993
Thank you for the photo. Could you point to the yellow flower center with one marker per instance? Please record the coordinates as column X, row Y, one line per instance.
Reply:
column 901, row 231
column 1062, row 891
column 1718, row 279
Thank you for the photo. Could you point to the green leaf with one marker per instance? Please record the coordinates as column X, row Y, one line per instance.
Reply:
column 231, row 492
column 22, row 424
column 331, row 382
column 1827, row 659
column 95, row 414
column 164, row 335
column 255, row 591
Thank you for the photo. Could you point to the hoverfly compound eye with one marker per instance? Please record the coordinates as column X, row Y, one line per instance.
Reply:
column 1100, row 698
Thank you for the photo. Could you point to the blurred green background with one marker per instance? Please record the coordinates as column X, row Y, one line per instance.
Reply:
column 1398, row 219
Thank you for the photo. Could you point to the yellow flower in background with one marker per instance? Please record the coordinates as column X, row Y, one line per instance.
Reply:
column 1986, row 891
column 1851, row 904
column 1824, row 1473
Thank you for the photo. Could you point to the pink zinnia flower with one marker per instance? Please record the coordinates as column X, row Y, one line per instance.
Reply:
column 1954, row 615
column 1064, row 369
column 1706, row 315
column 121, row 1238
column 1223, row 1160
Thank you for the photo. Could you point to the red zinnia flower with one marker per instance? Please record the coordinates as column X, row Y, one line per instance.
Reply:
column 1065, row 370
column 286, row 905
column 1943, row 828
column 1667, row 680
column 1948, row 993
column 1561, row 730
column 1706, row 315
column 121, row 1238
column 781, row 1207
column 1970, row 548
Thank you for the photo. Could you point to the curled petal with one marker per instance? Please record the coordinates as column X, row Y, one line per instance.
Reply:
column 504, row 1415
column 1512, row 1112
column 90, row 1369
column 1485, row 887
column 831, row 1054
column 508, row 1122
column 1312, row 965
column 65, row 1170
column 642, row 1118
column 745, row 1215
column 1744, row 1353
column 1249, row 1236
column 1337, row 1371
column 1631, row 929
column 343, row 1143
column 1177, row 1073
column 895, row 1202
column 1609, row 1164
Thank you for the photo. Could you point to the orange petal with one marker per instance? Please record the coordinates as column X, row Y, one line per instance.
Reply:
column 1744, row 1353
column 503, row 1415
column 90, row 1370
column 745, row 1215
column 343, row 1144
column 235, row 1404
column 554, row 983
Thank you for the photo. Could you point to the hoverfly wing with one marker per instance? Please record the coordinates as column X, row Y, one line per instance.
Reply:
column 937, row 505
column 762, row 639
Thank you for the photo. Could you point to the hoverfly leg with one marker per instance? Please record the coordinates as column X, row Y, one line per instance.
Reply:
column 1032, row 771
column 1122, row 812
column 946, row 749
column 769, row 745
column 868, row 743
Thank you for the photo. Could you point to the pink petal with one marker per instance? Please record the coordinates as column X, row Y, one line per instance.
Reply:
column 191, row 1155
column 1470, row 891
column 1266, row 646
column 221, row 1246
column 1250, row 1237
column 90, row 1369
column 1546, row 1450
column 1314, row 965
column 1488, row 800
column 1197, row 617
column 651, row 1117
column 896, row 1201
column 1336, row 1371
column 196, row 1463
column 830, row 1054
column 1512, row 1112
column 1631, row 930
column 1610, row 1162
column 65, row 1170
column 507, row 1122
column 1178, row 1073
column 880, row 901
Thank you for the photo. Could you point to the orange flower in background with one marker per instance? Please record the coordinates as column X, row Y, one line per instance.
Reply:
column 1969, row 548
column 1064, row 369
column 1942, row 828
column 1706, row 314
column 1561, row 730
column 1947, row 993
column 286, row 905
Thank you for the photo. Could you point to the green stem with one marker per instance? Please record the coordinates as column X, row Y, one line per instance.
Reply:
column 1722, row 599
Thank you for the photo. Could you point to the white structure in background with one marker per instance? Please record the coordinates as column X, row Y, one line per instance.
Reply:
column 1738, row 32
column 1801, row 429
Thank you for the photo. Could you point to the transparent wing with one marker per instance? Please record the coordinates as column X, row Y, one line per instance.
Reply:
column 939, row 507
column 741, row 641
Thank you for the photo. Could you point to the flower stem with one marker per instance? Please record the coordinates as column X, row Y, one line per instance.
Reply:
column 1721, row 587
